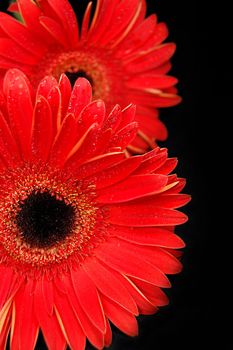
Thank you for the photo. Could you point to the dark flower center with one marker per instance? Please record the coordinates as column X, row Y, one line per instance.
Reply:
column 73, row 76
column 44, row 219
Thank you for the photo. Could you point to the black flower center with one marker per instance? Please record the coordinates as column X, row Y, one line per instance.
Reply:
column 44, row 220
column 73, row 76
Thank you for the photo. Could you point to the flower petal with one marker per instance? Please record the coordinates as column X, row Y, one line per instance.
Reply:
column 65, row 89
column 64, row 141
column 84, row 286
column 68, row 19
column 42, row 131
column 80, row 96
column 48, row 322
column 19, row 33
column 8, row 148
column 149, row 236
column 156, row 296
column 142, row 215
column 94, row 112
column 92, row 333
column 157, row 256
column 5, row 325
column 54, row 29
column 116, row 173
column 109, row 285
column 133, row 187
column 144, row 305
column 25, row 328
column 131, row 264
column 66, row 317
column 124, row 136
column 19, row 104
column 150, row 59
column 12, row 51
column 124, row 320
column 99, row 163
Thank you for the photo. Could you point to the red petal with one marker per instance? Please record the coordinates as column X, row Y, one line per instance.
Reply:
column 138, row 36
column 164, row 68
column 80, row 96
column 178, row 254
column 160, row 34
column 153, row 161
column 153, row 98
column 150, row 236
column 7, row 64
column 7, row 281
column 156, row 296
column 42, row 131
column 113, row 120
column 88, row 298
column 47, row 295
column 92, row 113
column 153, row 41
column 158, row 257
column 116, row 173
column 128, row 115
column 5, row 316
column 150, row 59
column 109, row 285
column 143, row 215
column 54, row 98
column 68, row 322
column 102, row 17
column 82, row 150
column 45, row 86
column 5, row 325
column 12, row 51
column 86, row 22
column 124, row 320
column 30, row 13
column 108, row 335
column 20, row 108
column 64, row 141
column 125, row 15
column 48, row 322
column 25, row 327
column 98, row 164
column 13, row 7
column 92, row 333
column 8, row 148
column 180, row 184
column 124, row 136
column 65, row 88
column 170, row 201
column 167, row 167
column 144, row 305
column 151, row 81
column 21, row 35
column 54, row 29
column 65, row 13
column 130, row 264
column 133, row 187
column 10, row 283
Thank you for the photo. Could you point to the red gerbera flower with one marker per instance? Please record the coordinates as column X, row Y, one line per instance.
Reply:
column 86, row 234
column 120, row 52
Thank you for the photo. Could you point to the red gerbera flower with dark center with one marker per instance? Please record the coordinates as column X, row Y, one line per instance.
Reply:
column 120, row 52
column 86, row 234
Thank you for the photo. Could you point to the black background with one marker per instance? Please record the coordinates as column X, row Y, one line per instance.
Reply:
column 198, row 136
